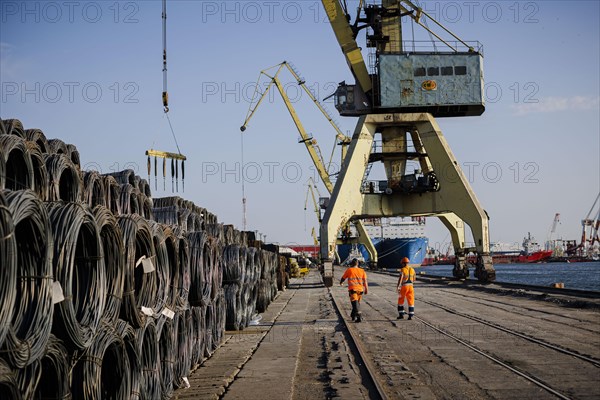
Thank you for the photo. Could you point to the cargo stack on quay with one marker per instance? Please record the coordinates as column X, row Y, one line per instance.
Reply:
column 105, row 291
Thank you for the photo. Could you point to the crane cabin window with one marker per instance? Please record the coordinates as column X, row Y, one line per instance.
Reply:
column 462, row 70
column 447, row 71
column 420, row 71
column 433, row 71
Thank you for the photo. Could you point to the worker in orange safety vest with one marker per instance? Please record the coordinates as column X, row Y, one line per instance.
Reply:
column 357, row 286
column 405, row 289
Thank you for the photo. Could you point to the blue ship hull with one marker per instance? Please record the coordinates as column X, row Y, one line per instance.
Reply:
column 390, row 252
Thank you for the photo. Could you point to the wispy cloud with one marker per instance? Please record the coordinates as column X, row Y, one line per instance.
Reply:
column 557, row 104
column 8, row 65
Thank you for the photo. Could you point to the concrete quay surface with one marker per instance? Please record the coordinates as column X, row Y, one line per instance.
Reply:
column 466, row 342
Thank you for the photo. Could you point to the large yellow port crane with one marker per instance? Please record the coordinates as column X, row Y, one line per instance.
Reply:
column 398, row 98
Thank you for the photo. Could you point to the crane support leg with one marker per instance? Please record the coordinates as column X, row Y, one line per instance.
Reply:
column 456, row 227
column 453, row 199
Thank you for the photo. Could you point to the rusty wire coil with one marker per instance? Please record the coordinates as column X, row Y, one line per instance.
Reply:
column 201, row 268
column 140, row 288
column 40, row 173
column 79, row 267
column 14, row 127
column 199, row 336
column 37, row 136
column 144, row 204
column 8, row 272
column 2, row 173
column 164, row 262
column 65, row 182
column 128, row 336
column 31, row 323
column 94, row 192
column 128, row 200
column 182, row 288
column 18, row 170
column 112, row 194
column 57, row 146
column 185, row 335
column 166, row 215
column 167, row 342
column 144, row 187
column 102, row 370
column 148, row 349
column 114, row 261
column 2, row 128
column 73, row 154
column 9, row 388
column 48, row 377
column 126, row 176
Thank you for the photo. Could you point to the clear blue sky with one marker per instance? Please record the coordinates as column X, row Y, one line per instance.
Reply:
column 90, row 74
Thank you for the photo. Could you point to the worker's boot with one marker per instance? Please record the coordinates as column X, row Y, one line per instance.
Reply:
column 358, row 317
column 400, row 312
column 411, row 312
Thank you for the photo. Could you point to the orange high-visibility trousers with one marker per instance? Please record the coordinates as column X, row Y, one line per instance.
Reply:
column 407, row 293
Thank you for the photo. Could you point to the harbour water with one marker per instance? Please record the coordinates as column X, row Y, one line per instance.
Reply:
column 577, row 275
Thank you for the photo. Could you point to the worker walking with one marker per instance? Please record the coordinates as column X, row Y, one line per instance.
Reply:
column 406, row 290
column 357, row 286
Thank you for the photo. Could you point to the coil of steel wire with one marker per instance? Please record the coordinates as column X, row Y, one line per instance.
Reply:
column 185, row 335
column 199, row 336
column 201, row 268
column 65, row 182
column 73, row 154
column 9, row 389
column 31, row 322
column 219, row 326
column 94, row 192
column 144, row 187
column 216, row 231
column 113, row 194
column 167, row 343
column 145, row 205
column 48, row 377
column 2, row 173
column 140, row 287
column 171, row 201
column 128, row 336
column 37, row 136
column 183, row 271
column 165, row 263
column 79, row 267
column 234, row 313
column 18, row 170
column 128, row 201
column 234, row 265
column 2, row 128
column 148, row 349
column 14, row 127
column 40, row 174
column 102, row 370
column 124, row 177
column 166, row 215
column 114, row 261
column 209, row 321
column 57, row 146
column 8, row 272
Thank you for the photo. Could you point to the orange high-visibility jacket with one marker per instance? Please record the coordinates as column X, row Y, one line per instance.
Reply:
column 409, row 275
column 357, row 279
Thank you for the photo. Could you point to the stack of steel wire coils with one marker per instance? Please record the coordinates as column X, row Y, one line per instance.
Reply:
column 105, row 291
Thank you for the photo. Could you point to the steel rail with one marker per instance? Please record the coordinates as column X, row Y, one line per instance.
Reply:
column 361, row 352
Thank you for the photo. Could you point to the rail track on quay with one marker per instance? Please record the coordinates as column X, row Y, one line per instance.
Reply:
column 547, row 349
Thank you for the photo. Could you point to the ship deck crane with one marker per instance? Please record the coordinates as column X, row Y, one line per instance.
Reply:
column 399, row 100
column 311, row 144
column 588, row 239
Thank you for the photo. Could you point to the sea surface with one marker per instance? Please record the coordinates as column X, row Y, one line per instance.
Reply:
column 576, row 275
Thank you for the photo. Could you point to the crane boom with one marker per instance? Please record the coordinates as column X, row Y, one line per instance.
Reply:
column 347, row 41
column 311, row 145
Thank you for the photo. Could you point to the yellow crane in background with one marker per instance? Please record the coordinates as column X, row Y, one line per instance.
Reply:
column 310, row 143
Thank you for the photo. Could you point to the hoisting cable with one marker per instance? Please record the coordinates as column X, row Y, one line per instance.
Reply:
column 243, row 184
column 174, row 157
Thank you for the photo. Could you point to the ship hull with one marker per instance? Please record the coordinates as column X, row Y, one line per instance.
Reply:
column 390, row 252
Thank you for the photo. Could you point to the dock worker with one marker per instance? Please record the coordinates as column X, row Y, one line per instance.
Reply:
column 405, row 289
column 357, row 286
